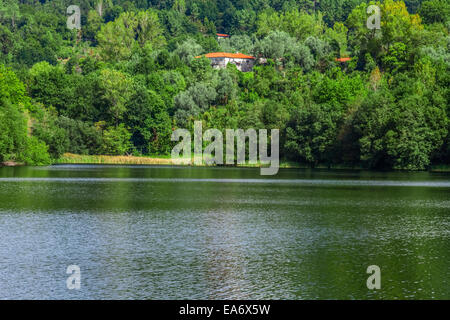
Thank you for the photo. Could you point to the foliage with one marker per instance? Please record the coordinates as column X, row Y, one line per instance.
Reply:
column 15, row 144
column 130, row 76
column 116, row 140
column 117, row 38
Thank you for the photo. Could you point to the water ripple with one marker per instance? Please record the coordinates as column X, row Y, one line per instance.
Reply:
column 369, row 183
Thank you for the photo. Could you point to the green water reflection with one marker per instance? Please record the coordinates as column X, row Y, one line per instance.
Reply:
column 222, row 233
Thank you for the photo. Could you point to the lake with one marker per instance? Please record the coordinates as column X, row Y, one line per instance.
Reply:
column 155, row 232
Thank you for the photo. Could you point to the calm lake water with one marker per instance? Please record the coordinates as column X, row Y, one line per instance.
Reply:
column 147, row 232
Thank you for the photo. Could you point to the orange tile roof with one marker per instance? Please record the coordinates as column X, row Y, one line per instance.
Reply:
column 222, row 35
column 343, row 59
column 226, row 55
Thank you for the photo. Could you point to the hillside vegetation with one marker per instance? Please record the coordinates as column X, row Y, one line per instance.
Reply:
column 129, row 77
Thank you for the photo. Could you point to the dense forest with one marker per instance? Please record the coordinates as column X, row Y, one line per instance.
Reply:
column 123, row 82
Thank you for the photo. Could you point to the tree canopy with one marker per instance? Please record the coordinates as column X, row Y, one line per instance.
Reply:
column 129, row 77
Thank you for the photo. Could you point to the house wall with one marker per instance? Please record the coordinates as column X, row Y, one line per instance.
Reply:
column 241, row 64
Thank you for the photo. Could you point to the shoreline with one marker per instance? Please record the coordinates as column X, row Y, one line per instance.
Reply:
column 69, row 158
column 11, row 164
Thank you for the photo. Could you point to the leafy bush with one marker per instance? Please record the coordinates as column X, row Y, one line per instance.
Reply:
column 116, row 141
column 36, row 153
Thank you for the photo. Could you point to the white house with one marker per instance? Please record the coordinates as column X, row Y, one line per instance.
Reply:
column 220, row 60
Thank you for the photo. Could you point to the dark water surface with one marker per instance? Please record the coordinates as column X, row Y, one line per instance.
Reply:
column 222, row 233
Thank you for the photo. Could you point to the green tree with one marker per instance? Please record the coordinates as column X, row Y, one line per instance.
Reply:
column 9, row 10
column 284, row 49
column 401, row 135
column 116, row 140
column 46, row 129
column 83, row 138
column 117, row 38
column 435, row 11
column 296, row 23
column 311, row 134
column 191, row 103
column 149, row 121
column 187, row 50
column 116, row 90
column 15, row 143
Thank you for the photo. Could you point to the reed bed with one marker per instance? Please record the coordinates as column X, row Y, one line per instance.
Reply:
column 69, row 158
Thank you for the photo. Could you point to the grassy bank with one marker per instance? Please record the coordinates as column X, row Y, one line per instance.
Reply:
column 11, row 164
column 69, row 158
column 440, row 168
